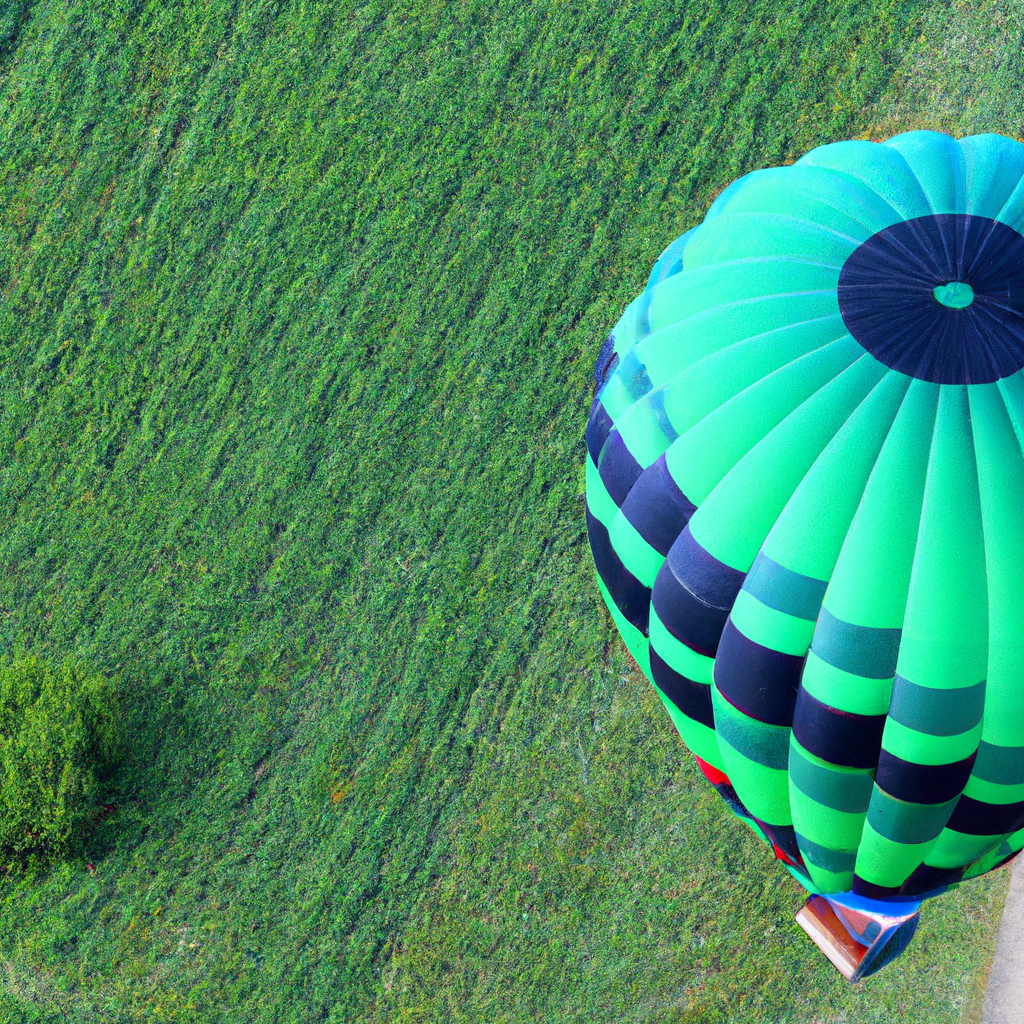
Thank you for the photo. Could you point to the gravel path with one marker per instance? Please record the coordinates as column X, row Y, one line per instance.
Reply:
column 1004, row 1002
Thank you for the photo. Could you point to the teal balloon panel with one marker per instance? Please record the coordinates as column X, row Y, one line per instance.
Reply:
column 805, row 502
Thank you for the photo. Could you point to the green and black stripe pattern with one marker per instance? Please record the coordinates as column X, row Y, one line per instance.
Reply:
column 805, row 501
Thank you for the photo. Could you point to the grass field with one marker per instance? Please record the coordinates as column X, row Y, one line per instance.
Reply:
column 299, row 305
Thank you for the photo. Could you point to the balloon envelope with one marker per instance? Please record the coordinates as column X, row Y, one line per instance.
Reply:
column 805, row 501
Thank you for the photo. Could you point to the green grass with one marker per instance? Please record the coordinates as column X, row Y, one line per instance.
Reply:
column 299, row 306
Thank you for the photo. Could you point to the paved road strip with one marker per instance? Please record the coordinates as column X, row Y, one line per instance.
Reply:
column 1004, row 1002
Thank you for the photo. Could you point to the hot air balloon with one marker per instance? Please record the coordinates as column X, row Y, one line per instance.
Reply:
column 805, row 503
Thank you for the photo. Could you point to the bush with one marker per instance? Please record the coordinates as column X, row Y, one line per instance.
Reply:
column 57, row 738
